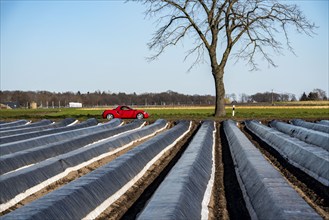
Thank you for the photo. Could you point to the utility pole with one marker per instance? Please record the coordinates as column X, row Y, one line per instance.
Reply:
column 272, row 97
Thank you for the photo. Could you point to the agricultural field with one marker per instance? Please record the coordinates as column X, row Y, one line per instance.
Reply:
column 283, row 111
column 164, row 169
column 52, row 158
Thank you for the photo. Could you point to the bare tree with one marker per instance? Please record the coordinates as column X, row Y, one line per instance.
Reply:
column 321, row 94
column 244, row 98
column 217, row 26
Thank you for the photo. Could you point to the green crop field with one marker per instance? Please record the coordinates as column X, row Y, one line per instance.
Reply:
column 283, row 112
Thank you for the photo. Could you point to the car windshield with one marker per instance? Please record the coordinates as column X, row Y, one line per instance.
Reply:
column 125, row 108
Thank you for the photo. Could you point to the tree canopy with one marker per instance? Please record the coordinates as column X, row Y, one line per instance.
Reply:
column 249, row 28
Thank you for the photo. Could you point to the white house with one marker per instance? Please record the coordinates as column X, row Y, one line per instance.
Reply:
column 75, row 105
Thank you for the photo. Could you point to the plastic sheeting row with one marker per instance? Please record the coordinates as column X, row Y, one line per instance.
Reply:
column 89, row 195
column 41, row 123
column 185, row 192
column 324, row 122
column 314, row 126
column 23, row 158
column 38, row 126
column 17, row 185
column 14, row 124
column 266, row 193
column 312, row 159
column 61, row 126
column 310, row 136
column 53, row 138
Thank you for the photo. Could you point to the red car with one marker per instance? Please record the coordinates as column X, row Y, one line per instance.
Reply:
column 124, row 112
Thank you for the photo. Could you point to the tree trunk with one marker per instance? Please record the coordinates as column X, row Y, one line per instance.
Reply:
column 218, row 74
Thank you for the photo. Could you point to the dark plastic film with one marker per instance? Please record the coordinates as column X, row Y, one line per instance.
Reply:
column 79, row 198
column 14, row 124
column 311, row 159
column 324, row 122
column 310, row 136
column 15, row 183
column 17, row 129
column 266, row 192
column 310, row 125
column 52, row 138
column 61, row 126
column 34, row 155
column 181, row 193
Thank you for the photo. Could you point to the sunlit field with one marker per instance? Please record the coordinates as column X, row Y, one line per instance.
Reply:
column 303, row 110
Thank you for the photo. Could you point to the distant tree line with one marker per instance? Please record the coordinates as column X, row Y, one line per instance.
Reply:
column 316, row 95
column 46, row 99
column 98, row 98
column 269, row 97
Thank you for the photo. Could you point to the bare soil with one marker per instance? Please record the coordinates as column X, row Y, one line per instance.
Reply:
column 218, row 203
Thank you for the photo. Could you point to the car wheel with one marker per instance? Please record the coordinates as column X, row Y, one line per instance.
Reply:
column 140, row 116
column 109, row 116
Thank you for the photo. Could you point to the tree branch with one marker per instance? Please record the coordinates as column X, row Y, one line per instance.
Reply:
column 252, row 24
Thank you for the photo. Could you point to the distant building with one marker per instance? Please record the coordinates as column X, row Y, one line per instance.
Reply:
column 3, row 106
column 75, row 105
column 11, row 105
column 33, row 105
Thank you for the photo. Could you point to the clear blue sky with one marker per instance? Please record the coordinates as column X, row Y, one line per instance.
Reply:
column 101, row 45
